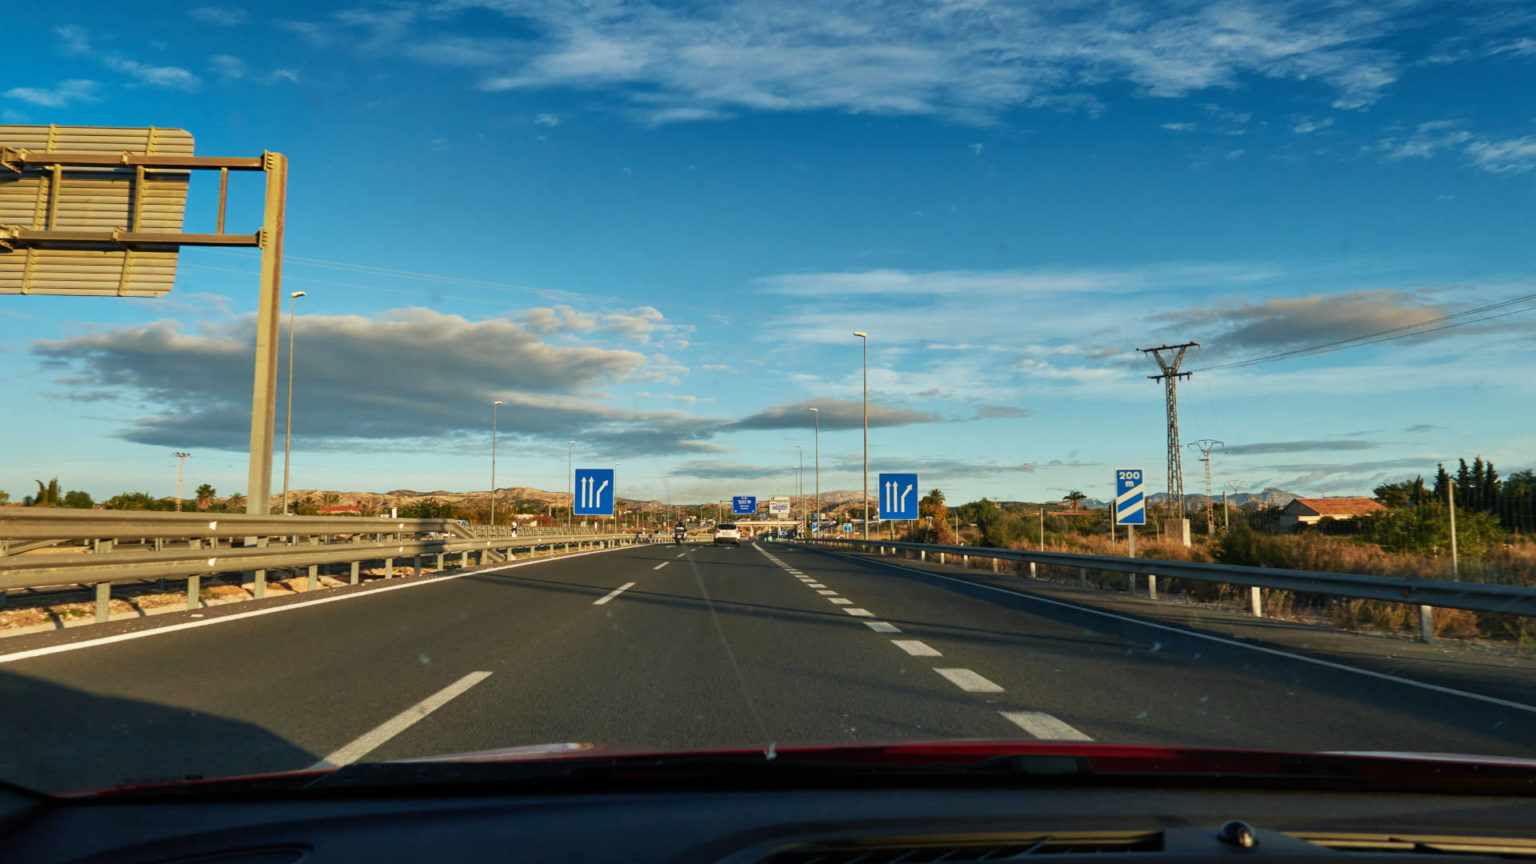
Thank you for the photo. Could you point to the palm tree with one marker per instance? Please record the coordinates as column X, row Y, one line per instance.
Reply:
column 234, row 503
column 204, row 496
column 1075, row 498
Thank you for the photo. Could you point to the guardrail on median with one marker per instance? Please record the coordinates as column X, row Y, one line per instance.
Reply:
column 47, row 546
column 1426, row 593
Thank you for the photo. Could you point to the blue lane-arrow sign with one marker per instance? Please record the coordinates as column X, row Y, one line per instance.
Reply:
column 744, row 505
column 1130, row 494
column 594, row 492
column 898, row 496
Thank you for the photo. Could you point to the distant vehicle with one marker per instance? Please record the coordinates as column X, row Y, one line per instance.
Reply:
column 727, row 532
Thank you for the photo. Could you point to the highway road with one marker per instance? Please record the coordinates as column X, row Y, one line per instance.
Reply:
column 667, row 647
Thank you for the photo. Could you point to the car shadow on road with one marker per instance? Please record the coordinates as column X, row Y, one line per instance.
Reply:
column 62, row 739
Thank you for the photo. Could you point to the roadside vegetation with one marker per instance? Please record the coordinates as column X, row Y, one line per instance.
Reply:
column 1409, row 539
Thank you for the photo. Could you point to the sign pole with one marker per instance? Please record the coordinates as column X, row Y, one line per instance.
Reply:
column 264, row 392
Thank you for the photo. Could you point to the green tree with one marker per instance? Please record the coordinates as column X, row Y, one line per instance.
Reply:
column 204, row 496
column 77, row 499
column 1442, row 482
column 48, row 495
column 1490, row 486
column 235, row 503
column 1402, row 494
column 1074, row 498
column 5, row 497
column 1425, row 530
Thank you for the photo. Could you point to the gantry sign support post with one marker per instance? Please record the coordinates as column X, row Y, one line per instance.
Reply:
column 1170, row 379
column 67, row 250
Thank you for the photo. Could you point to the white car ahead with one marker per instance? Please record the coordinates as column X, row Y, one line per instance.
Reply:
column 727, row 532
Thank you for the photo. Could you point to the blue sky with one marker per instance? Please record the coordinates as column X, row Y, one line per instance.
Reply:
column 653, row 229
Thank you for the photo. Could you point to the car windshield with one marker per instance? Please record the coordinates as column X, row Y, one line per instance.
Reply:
column 407, row 379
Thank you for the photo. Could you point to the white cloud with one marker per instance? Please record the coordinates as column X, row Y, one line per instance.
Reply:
column 283, row 75
column 547, row 120
column 77, row 41
column 968, row 61
column 1304, row 125
column 1508, row 156
column 1179, row 127
column 223, row 16
column 228, row 66
column 58, row 96
column 1503, row 157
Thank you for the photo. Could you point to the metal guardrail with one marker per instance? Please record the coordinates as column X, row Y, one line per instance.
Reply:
column 43, row 547
column 1444, row 594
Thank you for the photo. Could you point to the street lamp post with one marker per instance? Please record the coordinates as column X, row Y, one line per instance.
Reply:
column 800, row 480
column 865, row 337
column 181, row 462
column 816, row 413
column 493, row 462
column 288, row 428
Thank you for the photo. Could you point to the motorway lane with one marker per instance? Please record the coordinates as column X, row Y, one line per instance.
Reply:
column 1120, row 681
column 706, row 648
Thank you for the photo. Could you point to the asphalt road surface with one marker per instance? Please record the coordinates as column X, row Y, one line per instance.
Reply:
column 666, row 647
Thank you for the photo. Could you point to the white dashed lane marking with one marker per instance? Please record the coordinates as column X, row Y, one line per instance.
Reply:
column 915, row 648
column 661, row 565
column 827, row 592
column 841, row 601
column 969, row 681
column 860, row 613
column 882, row 626
column 603, row 601
column 1042, row 725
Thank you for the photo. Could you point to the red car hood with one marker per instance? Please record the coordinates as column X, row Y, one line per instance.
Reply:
column 1109, row 762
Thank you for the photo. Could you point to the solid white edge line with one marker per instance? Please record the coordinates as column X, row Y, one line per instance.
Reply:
column 1262, row 649
column 1044, row 726
column 916, row 648
column 612, row 594
column 237, row 616
column 969, row 681
column 372, row 739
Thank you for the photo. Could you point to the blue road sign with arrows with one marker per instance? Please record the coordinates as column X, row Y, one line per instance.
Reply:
column 1130, row 494
column 898, row 496
column 744, row 505
column 594, row 492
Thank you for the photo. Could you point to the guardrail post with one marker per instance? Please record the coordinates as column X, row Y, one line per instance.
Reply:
column 194, row 584
column 440, row 561
column 464, row 559
column 1257, row 601
column 353, row 576
column 1152, row 585
column 389, row 568
column 965, row 560
column 1426, row 623
column 1032, row 573
column 994, row 565
column 103, row 601
column 259, row 578
column 922, row 554
column 415, row 565
column 1082, row 576
column 1130, row 583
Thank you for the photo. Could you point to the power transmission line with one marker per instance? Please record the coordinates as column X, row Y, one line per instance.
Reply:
column 1429, row 325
